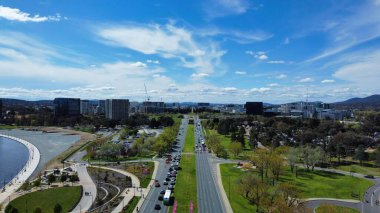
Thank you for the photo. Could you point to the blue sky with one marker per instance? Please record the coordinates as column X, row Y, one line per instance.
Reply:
column 225, row 51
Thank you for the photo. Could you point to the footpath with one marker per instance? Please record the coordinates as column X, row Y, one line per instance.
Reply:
column 32, row 163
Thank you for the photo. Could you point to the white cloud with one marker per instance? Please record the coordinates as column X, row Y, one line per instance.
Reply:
column 281, row 76
column 274, row 85
column 153, row 61
column 220, row 8
column 199, row 75
column 260, row 90
column 240, row 73
column 363, row 72
column 328, row 81
column 359, row 26
column 306, row 80
column 14, row 14
column 261, row 55
column 276, row 62
column 168, row 41
column 229, row 89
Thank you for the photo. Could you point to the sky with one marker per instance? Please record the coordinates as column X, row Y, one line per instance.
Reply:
column 219, row 51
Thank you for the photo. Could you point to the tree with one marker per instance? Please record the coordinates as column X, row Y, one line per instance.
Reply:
column 236, row 148
column 377, row 156
column 252, row 189
column 276, row 166
column 63, row 178
column 292, row 158
column 37, row 182
column 57, row 208
column 360, row 154
column 316, row 156
column 260, row 160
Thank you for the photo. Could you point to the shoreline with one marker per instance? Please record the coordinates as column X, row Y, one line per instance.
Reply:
column 24, row 173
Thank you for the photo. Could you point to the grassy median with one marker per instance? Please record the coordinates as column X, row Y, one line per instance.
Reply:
column 67, row 197
column 186, row 187
column 335, row 209
column 188, row 147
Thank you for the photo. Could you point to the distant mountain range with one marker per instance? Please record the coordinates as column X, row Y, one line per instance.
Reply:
column 370, row 102
column 18, row 102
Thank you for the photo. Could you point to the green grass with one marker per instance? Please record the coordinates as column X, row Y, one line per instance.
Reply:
column 366, row 170
column 131, row 205
column 230, row 177
column 335, row 209
column 186, row 186
column 225, row 140
column 67, row 197
column 189, row 140
column 8, row 127
column 326, row 184
column 316, row 184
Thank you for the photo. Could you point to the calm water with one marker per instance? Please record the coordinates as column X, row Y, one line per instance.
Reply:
column 49, row 144
column 13, row 157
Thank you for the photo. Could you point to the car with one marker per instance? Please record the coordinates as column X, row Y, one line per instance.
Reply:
column 165, row 183
column 157, row 207
column 162, row 192
column 172, row 183
column 167, row 179
column 160, row 197
column 171, row 187
column 369, row 176
column 172, row 179
column 157, row 184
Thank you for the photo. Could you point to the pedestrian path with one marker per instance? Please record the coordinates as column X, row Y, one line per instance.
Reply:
column 24, row 174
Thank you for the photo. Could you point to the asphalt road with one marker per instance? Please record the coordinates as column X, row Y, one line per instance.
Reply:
column 209, row 200
column 152, row 198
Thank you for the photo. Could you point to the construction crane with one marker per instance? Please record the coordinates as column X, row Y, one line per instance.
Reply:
column 146, row 93
column 147, row 99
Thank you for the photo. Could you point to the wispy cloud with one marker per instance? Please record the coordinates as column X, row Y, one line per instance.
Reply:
column 14, row 14
column 306, row 80
column 240, row 72
column 281, row 76
column 261, row 55
column 220, row 8
column 276, row 62
column 328, row 81
column 167, row 41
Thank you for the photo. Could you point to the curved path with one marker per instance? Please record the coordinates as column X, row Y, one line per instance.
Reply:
column 88, row 185
column 24, row 174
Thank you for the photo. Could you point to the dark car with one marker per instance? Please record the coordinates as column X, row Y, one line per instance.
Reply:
column 157, row 207
column 160, row 197
column 157, row 184
column 369, row 176
column 165, row 183
column 162, row 192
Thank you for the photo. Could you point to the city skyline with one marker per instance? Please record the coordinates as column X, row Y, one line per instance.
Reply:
column 227, row 51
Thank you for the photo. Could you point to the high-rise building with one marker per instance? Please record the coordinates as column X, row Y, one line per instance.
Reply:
column 85, row 107
column 117, row 109
column 153, row 107
column 254, row 108
column 66, row 107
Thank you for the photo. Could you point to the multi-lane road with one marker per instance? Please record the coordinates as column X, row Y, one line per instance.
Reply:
column 152, row 198
column 209, row 199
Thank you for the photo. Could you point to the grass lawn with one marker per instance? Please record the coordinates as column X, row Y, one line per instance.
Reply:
column 335, row 209
column 186, row 184
column 189, row 140
column 225, row 140
column 67, row 197
column 230, row 176
column 328, row 185
column 131, row 205
column 366, row 170
column 312, row 185
column 8, row 127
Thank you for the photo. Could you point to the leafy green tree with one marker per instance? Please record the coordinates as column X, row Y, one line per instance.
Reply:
column 235, row 148
column 51, row 178
column 360, row 154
